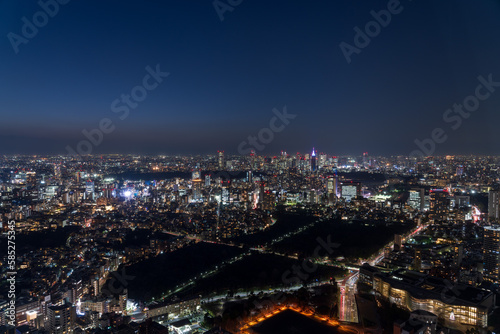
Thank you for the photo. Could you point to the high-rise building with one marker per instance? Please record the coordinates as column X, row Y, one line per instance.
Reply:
column 416, row 199
column 61, row 319
column 207, row 180
column 322, row 160
column 197, row 194
column 314, row 163
column 439, row 204
column 268, row 201
column 221, row 161
column 491, row 253
column 225, row 194
column 494, row 204
column 332, row 189
column 249, row 176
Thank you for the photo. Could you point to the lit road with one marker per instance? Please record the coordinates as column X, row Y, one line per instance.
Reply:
column 347, row 301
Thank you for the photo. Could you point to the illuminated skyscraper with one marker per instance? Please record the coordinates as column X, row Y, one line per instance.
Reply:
column 332, row 189
column 222, row 161
column 417, row 199
column 491, row 253
column 225, row 193
column 440, row 204
column 196, row 185
column 494, row 204
column 249, row 176
column 314, row 163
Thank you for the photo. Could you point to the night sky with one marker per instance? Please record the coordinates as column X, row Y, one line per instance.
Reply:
column 225, row 77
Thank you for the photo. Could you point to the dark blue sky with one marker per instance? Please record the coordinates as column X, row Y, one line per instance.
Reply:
column 227, row 76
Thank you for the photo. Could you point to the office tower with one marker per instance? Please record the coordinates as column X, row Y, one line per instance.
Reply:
column 322, row 161
column 494, row 204
column 222, row 161
column 197, row 195
column 491, row 253
column 225, row 195
column 122, row 300
column 331, row 188
column 61, row 319
column 439, row 204
column 249, row 176
column 416, row 199
column 268, row 201
column 460, row 171
column 314, row 163
column 207, row 180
